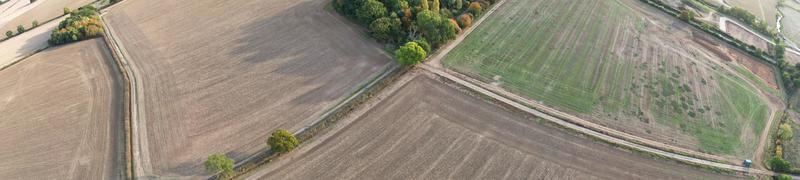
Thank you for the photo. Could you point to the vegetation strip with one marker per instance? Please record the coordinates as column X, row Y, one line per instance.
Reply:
column 123, row 68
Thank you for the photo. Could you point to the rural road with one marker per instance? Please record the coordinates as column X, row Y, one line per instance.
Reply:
column 617, row 137
column 27, row 43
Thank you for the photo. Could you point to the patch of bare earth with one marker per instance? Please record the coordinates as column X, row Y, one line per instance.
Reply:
column 61, row 115
column 219, row 76
column 429, row 130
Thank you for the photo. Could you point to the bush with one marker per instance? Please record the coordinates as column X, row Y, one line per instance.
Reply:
column 9, row 34
column 779, row 165
column 783, row 177
column 81, row 24
column 34, row 24
column 455, row 24
column 410, row 54
column 465, row 20
column 282, row 141
column 20, row 29
column 219, row 163
column 67, row 11
column 475, row 9
column 785, row 132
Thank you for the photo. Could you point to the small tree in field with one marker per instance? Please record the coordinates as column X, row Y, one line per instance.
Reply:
column 34, row 24
column 219, row 163
column 785, row 132
column 282, row 141
column 9, row 34
column 20, row 29
column 410, row 54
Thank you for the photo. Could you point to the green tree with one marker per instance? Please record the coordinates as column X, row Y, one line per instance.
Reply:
column 424, row 4
column 424, row 44
column 436, row 6
column 784, row 177
column 67, row 11
column 435, row 28
column 780, row 165
column 475, row 9
column 459, row 4
column 282, row 141
column 384, row 29
column 410, row 54
column 9, row 34
column 20, row 29
column 219, row 163
column 370, row 11
column 34, row 24
column 785, row 132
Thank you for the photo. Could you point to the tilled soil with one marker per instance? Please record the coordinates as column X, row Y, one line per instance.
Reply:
column 61, row 115
column 218, row 77
column 428, row 130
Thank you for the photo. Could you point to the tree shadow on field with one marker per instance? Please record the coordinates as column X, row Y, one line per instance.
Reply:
column 318, row 46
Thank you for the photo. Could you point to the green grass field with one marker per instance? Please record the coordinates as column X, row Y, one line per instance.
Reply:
column 603, row 60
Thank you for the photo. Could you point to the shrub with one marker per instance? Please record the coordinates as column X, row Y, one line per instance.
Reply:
column 465, row 20
column 370, row 11
column 778, row 164
column 435, row 28
column 20, row 29
column 67, row 11
column 455, row 24
column 475, row 9
column 34, row 24
column 9, row 34
column 219, row 163
column 282, row 141
column 785, row 132
column 783, row 177
column 410, row 54
column 424, row 4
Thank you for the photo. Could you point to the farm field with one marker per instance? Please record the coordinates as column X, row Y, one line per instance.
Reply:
column 62, row 115
column 429, row 130
column 790, row 24
column 44, row 11
column 640, row 72
column 792, row 58
column 217, row 79
column 745, row 36
column 763, row 9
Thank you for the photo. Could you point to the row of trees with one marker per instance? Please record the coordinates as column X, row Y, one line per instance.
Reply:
column 21, row 29
column 281, row 141
column 414, row 24
column 83, row 23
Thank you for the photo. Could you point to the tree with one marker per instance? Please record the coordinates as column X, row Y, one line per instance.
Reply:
column 219, row 163
column 9, row 34
column 384, row 28
column 436, row 6
column 778, row 164
column 784, row 177
column 475, row 9
column 424, row 44
column 34, row 24
column 282, row 141
column 20, row 29
column 687, row 15
column 785, row 132
column 435, row 28
column 370, row 11
column 424, row 4
column 465, row 20
column 410, row 54
column 67, row 11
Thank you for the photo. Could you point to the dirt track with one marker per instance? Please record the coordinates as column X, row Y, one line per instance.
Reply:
column 61, row 115
column 217, row 81
column 429, row 130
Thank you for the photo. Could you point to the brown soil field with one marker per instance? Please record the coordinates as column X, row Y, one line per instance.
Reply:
column 47, row 10
column 429, row 130
column 745, row 36
column 792, row 58
column 754, row 66
column 61, row 115
column 218, row 77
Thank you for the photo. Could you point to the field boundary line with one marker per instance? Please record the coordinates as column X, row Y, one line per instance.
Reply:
column 129, row 107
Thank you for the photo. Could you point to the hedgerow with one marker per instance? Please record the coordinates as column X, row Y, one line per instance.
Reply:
column 83, row 23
